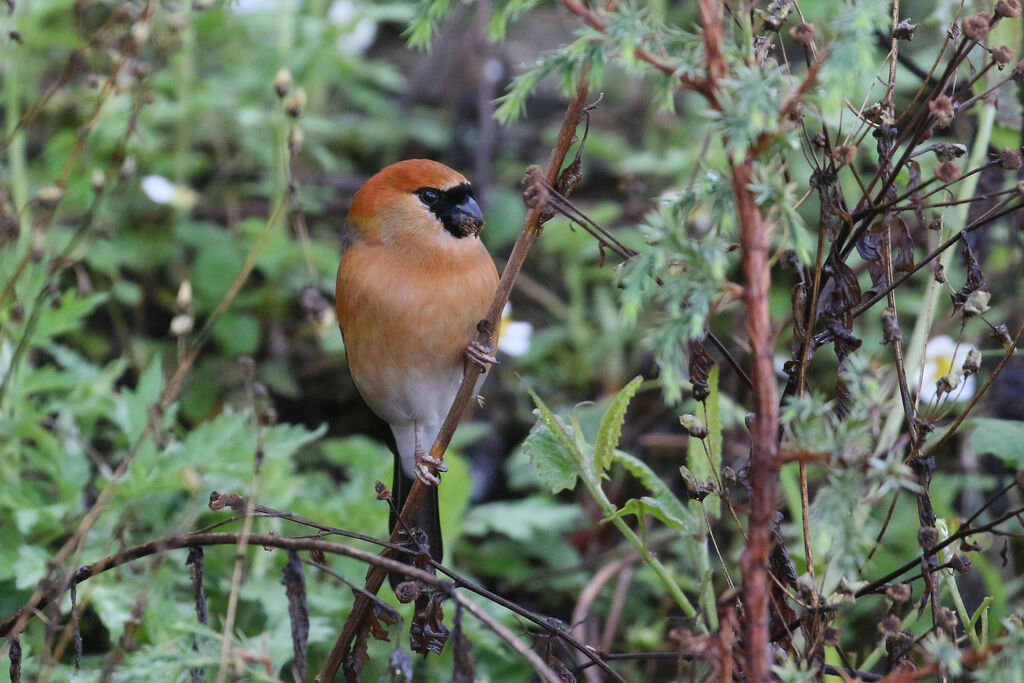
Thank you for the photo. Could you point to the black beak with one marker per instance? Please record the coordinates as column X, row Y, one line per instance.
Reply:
column 465, row 219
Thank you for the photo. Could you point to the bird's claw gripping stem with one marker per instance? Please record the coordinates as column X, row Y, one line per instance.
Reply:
column 424, row 462
column 480, row 355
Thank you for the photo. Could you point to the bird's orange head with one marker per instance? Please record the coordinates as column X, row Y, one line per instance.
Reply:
column 412, row 200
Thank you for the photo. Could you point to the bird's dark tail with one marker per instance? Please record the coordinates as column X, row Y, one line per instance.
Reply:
column 427, row 518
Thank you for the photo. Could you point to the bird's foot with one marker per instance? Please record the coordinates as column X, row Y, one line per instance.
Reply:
column 480, row 355
column 426, row 466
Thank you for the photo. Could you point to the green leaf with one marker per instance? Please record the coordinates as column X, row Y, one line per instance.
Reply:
column 66, row 317
column 1002, row 438
column 663, row 499
column 522, row 520
column 556, row 465
column 611, row 425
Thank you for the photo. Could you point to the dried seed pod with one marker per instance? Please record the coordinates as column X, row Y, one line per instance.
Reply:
column 1009, row 159
column 1002, row 55
column 1003, row 335
column 49, row 196
column 844, row 154
column 976, row 26
column 904, row 30
column 890, row 625
column 890, row 327
column 295, row 103
column 802, row 33
column 407, row 591
column 898, row 593
column 972, row 363
column 282, row 82
column 977, row 303
column 960, row 564
column 947, row 151
column 946, row 620
column 942, row 111
column 947, row 171
column 947, row 383
column 693, row 426
column 1007, row 8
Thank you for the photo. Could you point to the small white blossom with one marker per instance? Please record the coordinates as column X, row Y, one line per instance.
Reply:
column 515, row 334
column 160, row 190
column 943, row 361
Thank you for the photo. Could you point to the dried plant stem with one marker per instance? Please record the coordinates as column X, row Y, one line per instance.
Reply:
column 236, row 576
column 11, row 624
column 519, row 646
column 764, row 430
column 531, row 228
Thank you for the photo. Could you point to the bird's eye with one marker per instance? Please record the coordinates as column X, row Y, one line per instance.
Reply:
column 429, row 195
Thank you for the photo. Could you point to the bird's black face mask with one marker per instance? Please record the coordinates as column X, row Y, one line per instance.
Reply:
column 455, row 208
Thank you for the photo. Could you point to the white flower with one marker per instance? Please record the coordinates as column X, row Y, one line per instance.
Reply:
column 943, row 363
column 515, row 334
column 160, row 190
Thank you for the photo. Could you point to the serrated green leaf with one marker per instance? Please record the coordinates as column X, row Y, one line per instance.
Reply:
column 666, row 500
column 611, row 425
column 1002, row 438
column 556, row 465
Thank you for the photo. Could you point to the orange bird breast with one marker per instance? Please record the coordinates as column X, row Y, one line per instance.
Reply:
column 406, row 316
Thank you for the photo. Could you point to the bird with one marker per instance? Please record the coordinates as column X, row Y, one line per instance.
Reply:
column 414, row 281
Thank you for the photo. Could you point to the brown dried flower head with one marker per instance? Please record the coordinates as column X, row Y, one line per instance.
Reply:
column 904, row 30
column 942, row 111
column 898, row 593
column 1002, row 55
column 946, row 619
column 960, row 564
column 1008, row 8
column 947, row 171
column 1009, row 159
column 802, row 33
column 1018, row 72
column 976, row 26
column 890, row 625
column 844, row 154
